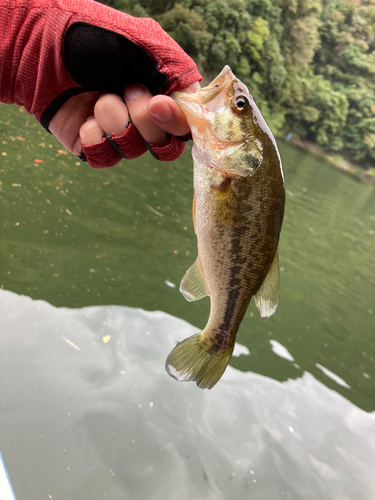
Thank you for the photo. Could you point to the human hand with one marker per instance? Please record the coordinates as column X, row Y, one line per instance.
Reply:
column 152, row 116
column 84, row 55
column 85, row 118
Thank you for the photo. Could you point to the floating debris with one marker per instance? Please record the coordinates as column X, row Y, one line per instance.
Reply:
column 280, row 350
column 106, row 338
column 154, row 211
column 333, row 376
column 69, row 342
column 170, row 284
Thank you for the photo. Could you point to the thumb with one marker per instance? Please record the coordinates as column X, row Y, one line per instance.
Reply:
column 167, row 114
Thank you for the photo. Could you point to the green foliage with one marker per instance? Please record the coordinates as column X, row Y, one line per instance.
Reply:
column 256, row 38
column 127, row 6
column 227, row 21
column 318, row 111
column 359, row 132
column 300, row 21
column 123, row 5
column 189, row 30
column 310, row 64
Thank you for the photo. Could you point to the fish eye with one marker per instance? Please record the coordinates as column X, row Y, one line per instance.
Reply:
column 241, row 103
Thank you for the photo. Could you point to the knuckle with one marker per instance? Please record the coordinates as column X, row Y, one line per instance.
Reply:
column 140, row 116
column 105, row 105
column 90, row 132
column 111, row 113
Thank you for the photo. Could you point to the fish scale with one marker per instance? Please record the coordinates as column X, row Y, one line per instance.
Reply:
column 238, row 212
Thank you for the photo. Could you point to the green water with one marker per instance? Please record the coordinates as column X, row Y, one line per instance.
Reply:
column 76, row 237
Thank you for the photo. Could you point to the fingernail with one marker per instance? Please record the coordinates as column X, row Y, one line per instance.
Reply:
column 160, row 111
column 133, row 91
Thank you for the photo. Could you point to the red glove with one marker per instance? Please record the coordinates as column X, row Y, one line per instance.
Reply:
column 51, row 50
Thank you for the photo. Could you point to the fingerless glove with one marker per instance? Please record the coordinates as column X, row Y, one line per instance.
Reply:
column 51, row 50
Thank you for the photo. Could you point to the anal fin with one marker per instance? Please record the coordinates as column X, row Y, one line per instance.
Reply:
column 267, row 297
column 193, row 286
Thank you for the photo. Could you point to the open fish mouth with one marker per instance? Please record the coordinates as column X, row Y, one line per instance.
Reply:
column 193, row 104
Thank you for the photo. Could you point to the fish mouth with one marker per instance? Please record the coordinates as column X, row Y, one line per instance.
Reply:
column 213, row 96
column 222, row 82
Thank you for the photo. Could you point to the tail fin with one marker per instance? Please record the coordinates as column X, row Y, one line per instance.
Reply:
column 198, row 360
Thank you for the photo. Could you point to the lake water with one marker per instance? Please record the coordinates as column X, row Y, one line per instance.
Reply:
column 90, row 267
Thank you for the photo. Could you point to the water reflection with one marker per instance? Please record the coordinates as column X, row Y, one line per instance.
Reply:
column 78, row 237
column 87, row 412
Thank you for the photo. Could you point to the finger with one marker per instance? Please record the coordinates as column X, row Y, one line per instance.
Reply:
column 111, row 114
column 167, row 114
column 90, row 132
column 66, row 123
column 137, row 98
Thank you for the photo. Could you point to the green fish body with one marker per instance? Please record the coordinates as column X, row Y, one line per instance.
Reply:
column 239, row 198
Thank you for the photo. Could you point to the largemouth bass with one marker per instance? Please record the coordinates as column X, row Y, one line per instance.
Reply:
column 238, row 207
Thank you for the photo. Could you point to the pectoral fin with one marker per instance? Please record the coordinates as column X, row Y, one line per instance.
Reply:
column 226, row 206
column 193, row 286
column 267, row 297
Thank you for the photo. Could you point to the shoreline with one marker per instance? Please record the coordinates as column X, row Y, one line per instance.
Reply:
column 336, row 160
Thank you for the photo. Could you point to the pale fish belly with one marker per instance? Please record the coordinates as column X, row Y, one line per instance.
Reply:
column 233, row 254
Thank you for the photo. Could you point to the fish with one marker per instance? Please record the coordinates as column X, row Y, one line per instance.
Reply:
column 238, row 210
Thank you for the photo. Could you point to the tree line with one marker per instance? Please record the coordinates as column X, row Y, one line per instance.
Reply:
column 309, row 64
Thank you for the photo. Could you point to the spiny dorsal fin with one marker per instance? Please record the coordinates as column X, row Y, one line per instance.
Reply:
column 267, row 297
column 193, row 286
